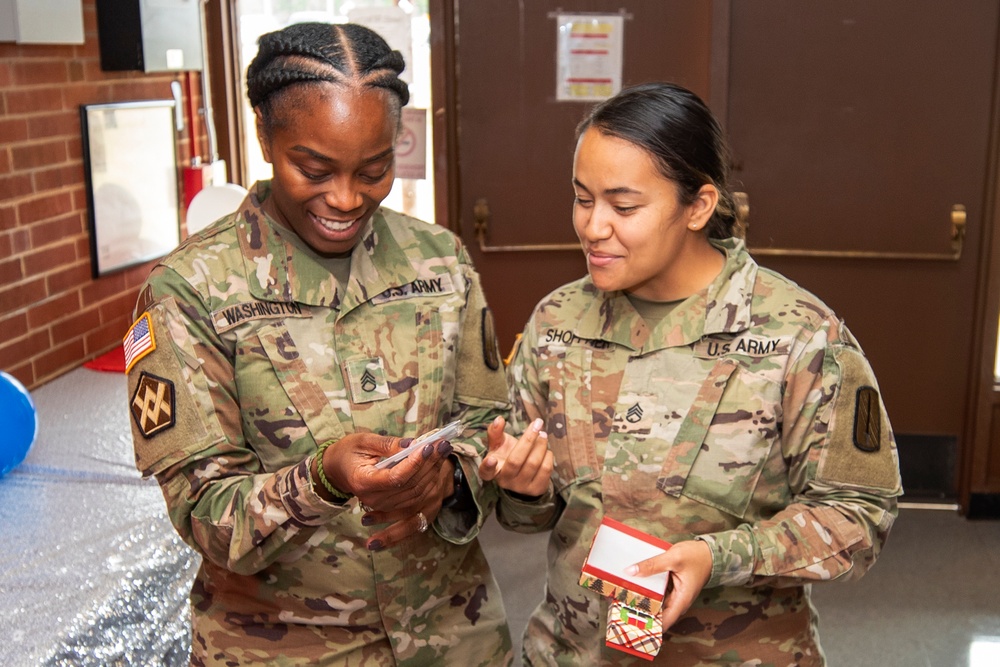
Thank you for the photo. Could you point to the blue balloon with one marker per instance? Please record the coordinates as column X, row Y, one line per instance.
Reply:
column 18, row 423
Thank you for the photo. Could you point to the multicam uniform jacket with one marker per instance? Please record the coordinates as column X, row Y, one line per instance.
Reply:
column 748, row 418
column 257, row 358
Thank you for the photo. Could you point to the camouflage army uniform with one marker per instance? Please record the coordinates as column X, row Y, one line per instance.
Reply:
column 748, row 417
column 258, row 359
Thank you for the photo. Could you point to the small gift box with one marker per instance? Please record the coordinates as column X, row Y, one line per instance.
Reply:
column 634, row 613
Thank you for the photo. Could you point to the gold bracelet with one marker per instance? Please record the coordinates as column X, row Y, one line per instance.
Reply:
column 334, row 491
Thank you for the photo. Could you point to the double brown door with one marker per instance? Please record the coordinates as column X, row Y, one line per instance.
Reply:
column 860, row 132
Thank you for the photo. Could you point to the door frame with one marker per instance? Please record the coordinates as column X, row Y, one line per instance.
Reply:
column 446, row 107
column 224, row 82
column 975, row 446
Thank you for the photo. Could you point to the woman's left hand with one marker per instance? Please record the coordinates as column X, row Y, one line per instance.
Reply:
column 690, row 566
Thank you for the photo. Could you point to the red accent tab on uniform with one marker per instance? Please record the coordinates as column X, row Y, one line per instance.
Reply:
column 513, row 350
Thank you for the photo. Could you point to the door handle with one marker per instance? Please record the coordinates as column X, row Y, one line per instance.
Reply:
column 481, row 215
column 957, row 224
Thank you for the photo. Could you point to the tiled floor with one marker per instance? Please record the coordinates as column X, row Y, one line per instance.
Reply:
column 932, row 600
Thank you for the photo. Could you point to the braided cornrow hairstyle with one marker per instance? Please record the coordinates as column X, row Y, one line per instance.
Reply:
column 685, row 141
column 308, row 53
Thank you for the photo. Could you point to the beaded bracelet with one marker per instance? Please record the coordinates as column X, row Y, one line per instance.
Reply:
column 334, row 491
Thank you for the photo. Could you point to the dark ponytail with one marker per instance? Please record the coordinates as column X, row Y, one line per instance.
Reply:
column 676, row 128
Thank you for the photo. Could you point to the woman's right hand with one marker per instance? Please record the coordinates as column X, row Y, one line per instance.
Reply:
column 349, row 465
column 397, row 496
column 522, row 465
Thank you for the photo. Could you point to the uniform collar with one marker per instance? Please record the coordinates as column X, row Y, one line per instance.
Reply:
column 722, row 307
column 278, row 270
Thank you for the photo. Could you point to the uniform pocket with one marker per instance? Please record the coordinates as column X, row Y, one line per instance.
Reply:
column 571, row 421
column 288, row 407
column 396, row 360
column 435, row 374
column 725, row 439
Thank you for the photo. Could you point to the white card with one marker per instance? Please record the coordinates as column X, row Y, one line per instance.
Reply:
column 617, row 546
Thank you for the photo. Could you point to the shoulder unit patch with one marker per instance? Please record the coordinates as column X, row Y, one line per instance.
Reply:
column 867, row 420
column 152, row 404
column 491, row 347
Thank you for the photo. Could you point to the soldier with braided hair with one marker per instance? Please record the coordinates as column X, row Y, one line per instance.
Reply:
column 283, row 351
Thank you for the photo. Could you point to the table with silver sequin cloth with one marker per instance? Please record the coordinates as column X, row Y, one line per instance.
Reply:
column 91, row 571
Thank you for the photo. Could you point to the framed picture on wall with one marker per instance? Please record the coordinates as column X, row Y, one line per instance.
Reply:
column 130, row 159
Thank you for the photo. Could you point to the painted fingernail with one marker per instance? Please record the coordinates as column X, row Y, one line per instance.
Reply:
column 367, row 520
column 405, row 442
column 490, row 462
column 632, row 570
column 537, row 424
column 375, row 545
column 444, row 448
column 496, row 420
column 543, row 434
column 428, row 450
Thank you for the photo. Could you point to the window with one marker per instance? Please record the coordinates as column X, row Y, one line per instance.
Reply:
column 256, row 17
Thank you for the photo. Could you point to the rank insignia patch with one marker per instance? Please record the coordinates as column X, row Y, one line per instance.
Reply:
column 867, row 420
column 152, row 404
column 139, row 341
column 366, row 380
column 634, row 414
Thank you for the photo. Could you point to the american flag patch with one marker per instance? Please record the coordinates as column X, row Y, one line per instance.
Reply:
column 139, row 341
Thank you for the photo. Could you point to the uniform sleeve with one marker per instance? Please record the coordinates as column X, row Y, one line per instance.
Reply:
column 528, row 399
column 480, row 395
column 843, row 474
column 187, row 431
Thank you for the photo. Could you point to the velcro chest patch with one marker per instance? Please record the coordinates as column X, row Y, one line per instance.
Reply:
column 745, row 345
column 366, row 379
column 441, row 284
column 228, row 317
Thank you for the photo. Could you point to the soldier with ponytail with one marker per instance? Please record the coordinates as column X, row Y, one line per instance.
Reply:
column 701, row 399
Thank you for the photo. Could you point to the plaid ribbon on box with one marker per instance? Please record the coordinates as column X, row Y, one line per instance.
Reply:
column 634, row 631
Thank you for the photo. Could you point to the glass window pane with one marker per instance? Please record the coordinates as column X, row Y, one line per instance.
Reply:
column 256, row 17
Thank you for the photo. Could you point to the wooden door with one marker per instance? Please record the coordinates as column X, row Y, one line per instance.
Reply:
column 857, row 128
column 515, row 141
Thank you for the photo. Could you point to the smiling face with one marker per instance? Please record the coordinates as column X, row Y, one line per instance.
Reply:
column 333, row 159
column 636, row 233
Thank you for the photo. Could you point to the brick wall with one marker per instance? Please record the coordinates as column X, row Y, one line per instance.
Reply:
column 53, row 315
